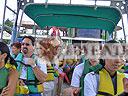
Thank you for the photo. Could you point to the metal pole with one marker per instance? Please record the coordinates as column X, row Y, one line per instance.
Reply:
column 2, row 29
column 70, row 2
column 46, row 3
column 20, row 21
column 126, row 7
column 14, row 32
column 124, row 30
column 11, row 9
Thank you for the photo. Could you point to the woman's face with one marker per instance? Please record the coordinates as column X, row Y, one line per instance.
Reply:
column 39, row 50
column 15, row 50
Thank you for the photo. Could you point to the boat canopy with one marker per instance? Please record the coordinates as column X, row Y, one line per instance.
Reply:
column 74, row 16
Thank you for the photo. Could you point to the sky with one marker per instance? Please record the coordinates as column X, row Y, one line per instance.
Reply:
column 12, row 4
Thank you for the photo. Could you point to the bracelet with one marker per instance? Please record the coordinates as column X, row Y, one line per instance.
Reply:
column 33, row 66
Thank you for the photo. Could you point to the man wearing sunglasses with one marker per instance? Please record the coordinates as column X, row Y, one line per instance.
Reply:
column 31, row 72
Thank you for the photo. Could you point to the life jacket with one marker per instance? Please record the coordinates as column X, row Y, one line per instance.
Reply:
column 32, row 84
column 106, row 87
column 16, row 56
column 70, row 61
column 4, row 73
column 51, row 73
column 87, row 69
column 10, row 66
column 61, row 63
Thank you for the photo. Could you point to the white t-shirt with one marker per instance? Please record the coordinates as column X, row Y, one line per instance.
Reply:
column 90, row 84
column 40, row 64
column 77, row 73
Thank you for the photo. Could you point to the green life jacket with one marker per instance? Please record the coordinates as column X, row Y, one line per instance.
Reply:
column 87, row 69
column 4, row 73
column 17, row 56
column 31, row 82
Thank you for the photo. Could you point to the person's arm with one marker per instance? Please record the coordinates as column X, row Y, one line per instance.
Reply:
column 40, row 75
column 77, row 73
column 40, row 70
column 64, row 63
column 125, row 83
column 71, row 91
column 75, row 82
column 10, row 89
column 90, row 84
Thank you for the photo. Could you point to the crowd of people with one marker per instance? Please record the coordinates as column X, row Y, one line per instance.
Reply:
column 39, row 68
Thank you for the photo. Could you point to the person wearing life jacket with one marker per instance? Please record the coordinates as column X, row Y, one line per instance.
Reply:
column 108, row 81
column 16, row 49
column 32, row 73
column 79, row 73
column 8, row 73
column 88, row 65
column 48, row 51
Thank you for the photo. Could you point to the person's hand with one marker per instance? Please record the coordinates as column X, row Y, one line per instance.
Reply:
column 125, row 83
column 30, row 61
column 7, row 91
column 75, row 91
column 71, row 91
column 21, row 83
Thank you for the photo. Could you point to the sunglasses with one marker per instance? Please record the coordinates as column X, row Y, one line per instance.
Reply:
column 27, row 44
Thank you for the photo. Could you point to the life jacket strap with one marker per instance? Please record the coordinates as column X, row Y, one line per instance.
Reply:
column 31, row 82
column 104, row 93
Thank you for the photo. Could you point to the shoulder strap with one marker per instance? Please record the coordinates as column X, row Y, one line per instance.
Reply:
column 104, row 93
column 96, row 68
column 30, row 74
column 85, row 71
column 86, row 67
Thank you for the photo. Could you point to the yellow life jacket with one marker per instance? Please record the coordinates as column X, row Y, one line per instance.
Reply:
column 106, row 87
column 7, row 65
column 50, row 73
column 70, row 61
column 60, row 63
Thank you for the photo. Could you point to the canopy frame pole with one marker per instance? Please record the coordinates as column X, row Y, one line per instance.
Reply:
column 15, row 29
column 123, row 30
column 70, row 2
column 46, row 3
column 2, row 29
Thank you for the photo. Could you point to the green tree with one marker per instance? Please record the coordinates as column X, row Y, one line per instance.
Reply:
column 8, row 26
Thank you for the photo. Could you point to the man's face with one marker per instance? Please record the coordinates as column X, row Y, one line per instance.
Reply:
column 116, row 60
column 114, row 64
column 26, row 46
